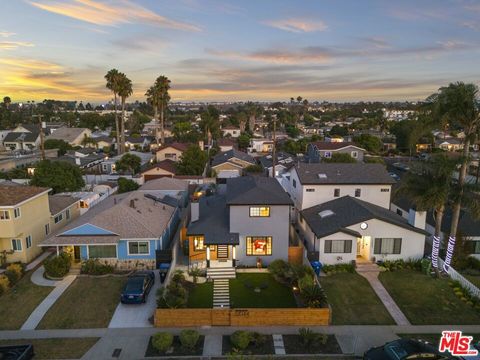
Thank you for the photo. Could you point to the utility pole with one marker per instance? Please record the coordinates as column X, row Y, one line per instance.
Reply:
column 42, row 135
column 274, row 146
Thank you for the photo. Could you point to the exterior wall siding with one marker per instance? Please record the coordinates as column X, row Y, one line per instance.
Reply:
column 122, row 251
column 337, row 258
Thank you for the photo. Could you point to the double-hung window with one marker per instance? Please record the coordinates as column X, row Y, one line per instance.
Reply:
column 336, row 192
column 58, row 218
column 387, row 246
column 16, row 245
column 259, row 211
column 138, row 248
column 67, row 214
column 338, row 246
column 16, row 213
column 358, row 192
column 4, row 215
column 102, row 251
column 475, row 246
column 28, row 241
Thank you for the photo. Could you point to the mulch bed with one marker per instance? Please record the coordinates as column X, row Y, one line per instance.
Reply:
column 265, row 349
column 293, row 345
column 177, row 348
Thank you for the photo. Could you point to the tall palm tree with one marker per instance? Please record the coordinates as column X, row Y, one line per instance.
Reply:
column 124, row 91
column 429, row 188
column 152, row 99
column 158, row 97
column 457, row 105
column 112, row 77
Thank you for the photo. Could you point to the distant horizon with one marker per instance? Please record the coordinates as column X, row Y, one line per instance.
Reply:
column 225, row 50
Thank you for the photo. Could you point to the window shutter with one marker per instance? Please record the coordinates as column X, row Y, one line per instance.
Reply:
column 348, row 246
column 328, row 246
column 397, row 246
column 378, row 246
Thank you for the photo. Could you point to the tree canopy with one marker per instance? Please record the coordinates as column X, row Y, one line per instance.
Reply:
column 59, row 144
column 61, row 176
column 130, row 163
column 193, row 161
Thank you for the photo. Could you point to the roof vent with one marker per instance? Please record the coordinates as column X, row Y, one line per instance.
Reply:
column 325, row 213
column 322, row 176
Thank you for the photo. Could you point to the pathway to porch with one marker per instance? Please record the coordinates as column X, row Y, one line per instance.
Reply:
column 221, row 293
column 370, row 272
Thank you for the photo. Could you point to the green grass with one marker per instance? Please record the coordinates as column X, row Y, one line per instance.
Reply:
column 200, row 296
column 434, row 338
column 353, row 301
column 73, row 348
column 427, row 301
column 87, row 303
column 474, row 279
column 276, row 295
column 18, row 303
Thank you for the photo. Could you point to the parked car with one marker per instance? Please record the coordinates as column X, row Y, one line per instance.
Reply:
column 405, row 349
column 137, row 287
column 475, row 346
column 401, row 166
column 16, row 352
column 394, row 176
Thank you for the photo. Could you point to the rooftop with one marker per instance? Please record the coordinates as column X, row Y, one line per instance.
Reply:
column 230, row 154
column 326, row 145
column 58, row 202
column 165, row 183
column 256, row 190
column 9, row 197
column 67, row 134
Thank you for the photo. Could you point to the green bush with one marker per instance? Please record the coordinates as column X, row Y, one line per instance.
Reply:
column 189, row 338
column 14, row 273
column 126, row 185
column 4, row 284
column 174, row 296
column 58, row 266
column 338, row 268
column 162, row 341
column 241, row 339
column 313, row 296
column 95, row 267
column 289, row 273
column 258, row 340
column 308, row 337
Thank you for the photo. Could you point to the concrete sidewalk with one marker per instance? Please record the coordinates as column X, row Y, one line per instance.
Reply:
column 38, row 260
column 37, row 315
column 38, row 279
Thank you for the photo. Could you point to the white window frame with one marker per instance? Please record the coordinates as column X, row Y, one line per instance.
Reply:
column 137, row 241
column 60, row 217
column 354, row 154
column 17, row 242
column 28, row 241
column 327, row 154
column 5, row 212
column 15, row 212
column 116, row 250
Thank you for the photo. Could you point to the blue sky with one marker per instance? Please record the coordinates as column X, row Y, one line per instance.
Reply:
column 338, row 50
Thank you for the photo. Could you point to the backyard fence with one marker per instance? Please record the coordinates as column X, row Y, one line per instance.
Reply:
column 455, row 275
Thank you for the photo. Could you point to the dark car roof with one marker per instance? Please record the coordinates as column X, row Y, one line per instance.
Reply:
column 404, row 349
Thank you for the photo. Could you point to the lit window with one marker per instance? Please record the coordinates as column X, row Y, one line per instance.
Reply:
column 4, row 215
column 16, row 212
column 28, row 241
column 16, row 245
column 259, row 245
column 259, row 211
column 138, row 247
column 198, row 243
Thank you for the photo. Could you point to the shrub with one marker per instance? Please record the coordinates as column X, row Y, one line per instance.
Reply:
column 95, row 267
column 4, row 284
column 289, row 273
column 57, row 266
column 178, row 276
column 313, row 296
column 14, row 273
column 241, row 339
column 162, row 341
column 189, row 338
column 338, row 268
column 308, row 337
column 305, row 281
column 126, row 185
column 195, row 273
column 258, row 339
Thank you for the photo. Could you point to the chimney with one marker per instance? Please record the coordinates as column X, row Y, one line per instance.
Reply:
column 417, row 218
column 132, row 203
column 194, row 211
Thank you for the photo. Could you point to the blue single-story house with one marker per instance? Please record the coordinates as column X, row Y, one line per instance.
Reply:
column 126, row 235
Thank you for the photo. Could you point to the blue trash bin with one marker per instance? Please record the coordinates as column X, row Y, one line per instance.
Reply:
column 163, row 270
column 317, row 266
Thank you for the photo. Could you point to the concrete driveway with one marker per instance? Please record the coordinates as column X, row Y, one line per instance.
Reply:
column 136, row 315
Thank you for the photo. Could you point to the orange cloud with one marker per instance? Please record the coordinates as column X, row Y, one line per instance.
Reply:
column 110, row 13
column 297, row 25
column 11, row 45
column 30, row 64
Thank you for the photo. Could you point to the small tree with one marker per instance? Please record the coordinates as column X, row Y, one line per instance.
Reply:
column 129, row 162
column 126, row 185
column 59, row 144
column 193, row 161
column 61, row 176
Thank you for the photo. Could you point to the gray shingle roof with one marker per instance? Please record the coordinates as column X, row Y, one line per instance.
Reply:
column 255, row 190
column 340, row 173
column 58, row 203
column 282, row 159
column 348, row 211
column 21, row 137
column 214, row 222
column 223, row 157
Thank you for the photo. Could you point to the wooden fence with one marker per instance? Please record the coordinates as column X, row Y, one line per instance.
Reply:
column 295, row 254
column 242, row 317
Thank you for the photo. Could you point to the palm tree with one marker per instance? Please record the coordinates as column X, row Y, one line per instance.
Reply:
column 158, row 97
column 152, row 99
column 429, row 188
column 7, row 101
column 112, row 77
column 124, row 91
column 456, row 104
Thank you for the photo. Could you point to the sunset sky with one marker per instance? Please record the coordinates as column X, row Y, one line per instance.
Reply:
column 338, row 50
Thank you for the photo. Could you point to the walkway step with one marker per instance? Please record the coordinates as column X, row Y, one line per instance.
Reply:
column 221, row 293
column 278, row 344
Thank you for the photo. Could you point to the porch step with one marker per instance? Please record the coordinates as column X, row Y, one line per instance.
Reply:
column 221, row 273
column 221, row 293
column 367, row 267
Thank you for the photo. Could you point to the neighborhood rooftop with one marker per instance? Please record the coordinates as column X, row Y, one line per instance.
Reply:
column 232, row 153
column 59, row 202
column 255, row 190
column 10, row 197
column 340, row 173
column 327, row 145
column 337, row 215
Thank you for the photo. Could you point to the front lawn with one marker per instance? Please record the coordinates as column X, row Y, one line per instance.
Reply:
column 474, row 279
column 353, row 301
column 200, row 295
column 87, row 303
column 18, row 303
column 427, row 301
column 71, row 348
column 259, row 290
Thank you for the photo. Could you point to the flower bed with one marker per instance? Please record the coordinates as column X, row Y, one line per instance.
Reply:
column 294, row 345
column 176, row 350
column 256, row 344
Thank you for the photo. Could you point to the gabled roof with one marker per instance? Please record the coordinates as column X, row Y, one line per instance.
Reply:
column 167, row 165
column 58, row 203
column 347, row 211
column 165, row 183
column 326, row 145
column 224, row 157
column 67, row 134
column 341, row 173
column 256, row 190
column 283, row 158
column 21, row 137
column 176, row 145
column 226, row 142
column 10, row 196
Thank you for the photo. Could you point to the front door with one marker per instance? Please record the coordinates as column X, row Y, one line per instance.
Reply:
column 222, row 251
column 76, row 253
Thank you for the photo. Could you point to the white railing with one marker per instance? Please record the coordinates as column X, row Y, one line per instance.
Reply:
column 455, row 275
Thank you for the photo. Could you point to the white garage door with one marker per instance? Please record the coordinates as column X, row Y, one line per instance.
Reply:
column 226, row 174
